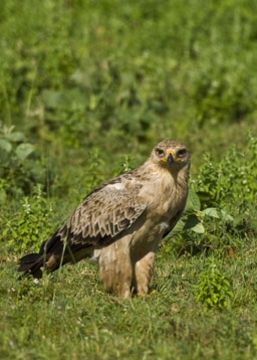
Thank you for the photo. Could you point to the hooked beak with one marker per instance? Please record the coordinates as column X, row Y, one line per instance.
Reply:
column 170, row 159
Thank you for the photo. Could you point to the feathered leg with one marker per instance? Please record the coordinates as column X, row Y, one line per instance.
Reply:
column 116, row 269
column 144, row 272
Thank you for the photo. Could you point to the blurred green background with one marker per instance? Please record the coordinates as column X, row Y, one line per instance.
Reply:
column 119, row 76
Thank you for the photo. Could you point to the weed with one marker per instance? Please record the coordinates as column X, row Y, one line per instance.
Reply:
column 29, row 226
column 213, row 289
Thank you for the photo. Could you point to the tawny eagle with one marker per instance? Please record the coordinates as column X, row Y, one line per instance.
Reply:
column 121, row 222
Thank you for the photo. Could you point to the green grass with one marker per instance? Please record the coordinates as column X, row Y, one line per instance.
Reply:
column 86, row 89
column 68, row 314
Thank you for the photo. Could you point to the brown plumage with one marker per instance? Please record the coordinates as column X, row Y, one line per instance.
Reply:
column 121, row 222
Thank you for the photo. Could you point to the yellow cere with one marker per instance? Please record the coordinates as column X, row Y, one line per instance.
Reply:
column 172, row 152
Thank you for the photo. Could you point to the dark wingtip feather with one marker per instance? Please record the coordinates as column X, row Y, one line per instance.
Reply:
column 30, row 264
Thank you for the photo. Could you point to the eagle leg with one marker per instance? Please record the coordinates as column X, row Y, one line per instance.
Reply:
column 144, row 273
column 116, row 269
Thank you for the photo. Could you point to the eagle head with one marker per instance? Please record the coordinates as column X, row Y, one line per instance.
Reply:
column 171, row 154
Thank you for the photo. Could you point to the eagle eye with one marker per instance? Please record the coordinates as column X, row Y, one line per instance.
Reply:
column 159, row 152
column 181, row 152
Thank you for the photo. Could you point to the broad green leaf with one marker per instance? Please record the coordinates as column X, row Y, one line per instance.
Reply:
column 24, row 150
column 15, row 136
column 226, row 216
column 199, row 228
column 179, row 226
column 5, row 145
column 191, row 221
column 193, row 201
column 212, row 212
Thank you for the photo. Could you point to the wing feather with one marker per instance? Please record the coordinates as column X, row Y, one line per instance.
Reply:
column 104, row 215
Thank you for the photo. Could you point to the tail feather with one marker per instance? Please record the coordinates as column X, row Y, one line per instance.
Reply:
column 31, row 264
column 52, row 255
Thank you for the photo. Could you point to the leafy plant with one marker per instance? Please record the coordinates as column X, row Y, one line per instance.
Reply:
column 195, row 219
column 198, row 228
column 29, row 226
column 233, row 177
column 213, row 289
column 14, row 141
column 22, row 165
column 13, row 152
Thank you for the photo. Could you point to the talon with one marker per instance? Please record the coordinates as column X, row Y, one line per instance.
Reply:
column 153, row 292
column 147, row 295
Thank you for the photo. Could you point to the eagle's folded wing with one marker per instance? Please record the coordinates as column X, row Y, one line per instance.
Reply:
column 103, row 216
